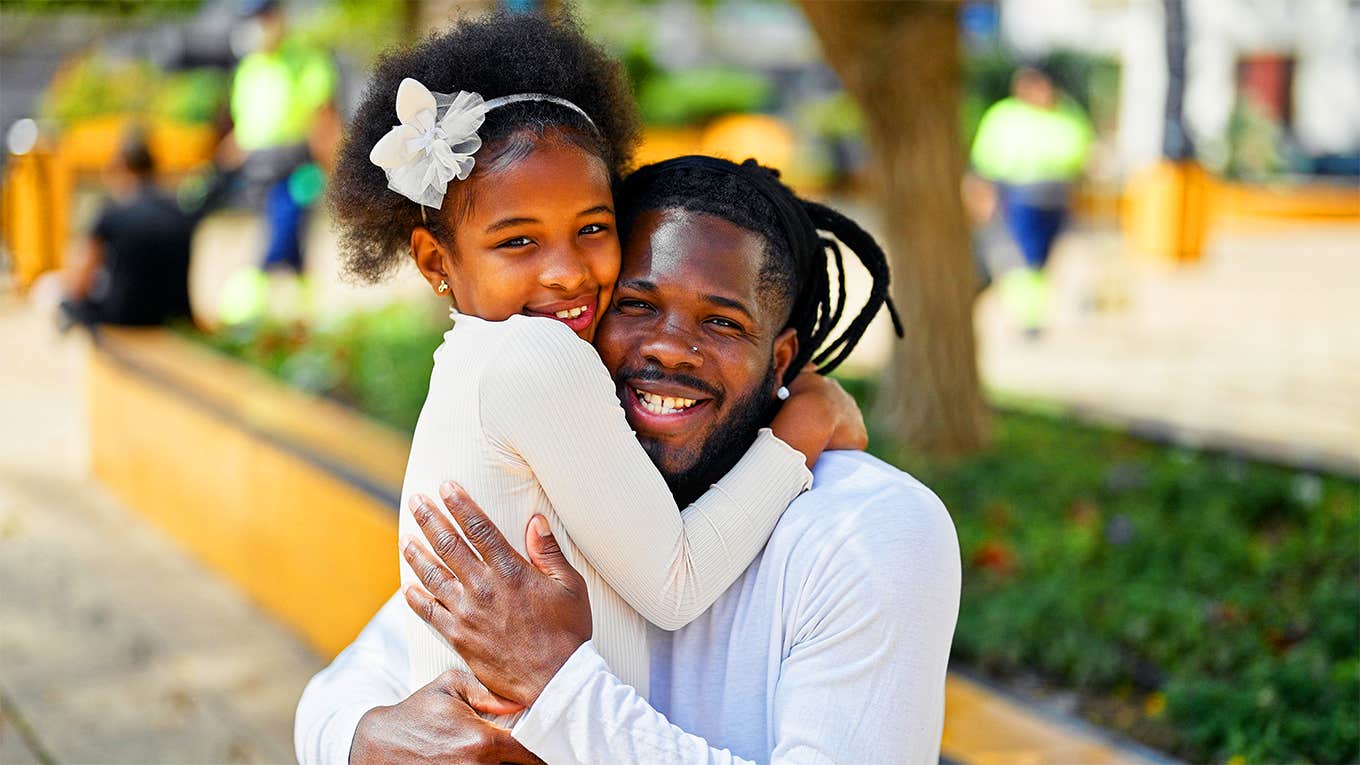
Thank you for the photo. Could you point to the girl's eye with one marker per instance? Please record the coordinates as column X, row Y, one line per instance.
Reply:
column 519, row 241
column 593, row 228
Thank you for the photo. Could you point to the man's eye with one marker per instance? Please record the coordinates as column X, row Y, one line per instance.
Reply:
column 725, row 323
column 519, row 241
column 630, row 303
column 593, row 228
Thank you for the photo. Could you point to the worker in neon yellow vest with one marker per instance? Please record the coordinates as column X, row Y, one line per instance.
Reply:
column 276, row 94
column 1032, row 147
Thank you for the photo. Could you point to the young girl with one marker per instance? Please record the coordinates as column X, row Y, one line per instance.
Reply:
column 498, row 180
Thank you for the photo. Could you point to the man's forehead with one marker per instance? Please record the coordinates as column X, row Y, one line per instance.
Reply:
column 693, row 252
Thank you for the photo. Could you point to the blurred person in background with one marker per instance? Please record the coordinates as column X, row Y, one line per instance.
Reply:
column 135, row 269
column 1029, row 150
column 280, row 90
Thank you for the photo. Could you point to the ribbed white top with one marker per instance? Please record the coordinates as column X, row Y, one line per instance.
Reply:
column 524, row 416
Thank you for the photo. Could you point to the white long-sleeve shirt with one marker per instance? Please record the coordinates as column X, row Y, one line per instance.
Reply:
column 831, row 647
column 523, row 414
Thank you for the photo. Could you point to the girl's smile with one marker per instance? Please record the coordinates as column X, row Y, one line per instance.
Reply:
column 577, row 313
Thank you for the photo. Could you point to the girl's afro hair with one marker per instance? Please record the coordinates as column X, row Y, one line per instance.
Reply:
column 495, row 55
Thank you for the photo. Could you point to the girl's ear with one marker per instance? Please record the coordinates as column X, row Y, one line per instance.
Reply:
column 431, row 258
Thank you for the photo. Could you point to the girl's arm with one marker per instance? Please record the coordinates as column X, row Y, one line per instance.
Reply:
column 549, row 400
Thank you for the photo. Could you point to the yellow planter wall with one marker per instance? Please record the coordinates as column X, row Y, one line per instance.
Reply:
column 292, row 498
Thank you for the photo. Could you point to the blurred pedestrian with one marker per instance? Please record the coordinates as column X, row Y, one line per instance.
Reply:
column 135, row 268
column 1030, row 148
column 277, row 93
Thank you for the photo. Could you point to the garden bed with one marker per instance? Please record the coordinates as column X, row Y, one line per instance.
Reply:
column 1200, row 603
column 291, row 497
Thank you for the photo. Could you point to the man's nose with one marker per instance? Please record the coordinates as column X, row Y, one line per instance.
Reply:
column 673, row 347
column 565, row 270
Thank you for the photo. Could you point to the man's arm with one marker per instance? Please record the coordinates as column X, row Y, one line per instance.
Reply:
column 357, row 711
column 863, row 679
column 369, row 673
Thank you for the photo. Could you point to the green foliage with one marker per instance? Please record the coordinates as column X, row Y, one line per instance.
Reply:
column 694, row 95
column 1224, row 594
column 164, row 8
column 376, row 361
column 95, row 86
column 358, row 28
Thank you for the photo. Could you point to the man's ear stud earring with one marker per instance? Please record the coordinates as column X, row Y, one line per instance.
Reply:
column 694, row 349
column 782, row 393
column 443, row 286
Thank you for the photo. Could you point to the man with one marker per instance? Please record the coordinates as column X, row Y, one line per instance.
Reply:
column 1029, row 150
column 832, row 646
column 136, row 265
column 277, row 94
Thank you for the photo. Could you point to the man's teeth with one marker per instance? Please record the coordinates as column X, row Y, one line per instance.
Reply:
column 663, row 404
column 571, row 313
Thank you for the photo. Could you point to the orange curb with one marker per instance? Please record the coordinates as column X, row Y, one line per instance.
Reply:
column 982, row 727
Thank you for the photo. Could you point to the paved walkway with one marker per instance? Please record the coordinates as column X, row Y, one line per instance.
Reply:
column 1256, row 348
column 115, row 647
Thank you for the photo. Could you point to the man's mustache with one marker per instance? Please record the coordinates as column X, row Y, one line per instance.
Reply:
column 652, row 373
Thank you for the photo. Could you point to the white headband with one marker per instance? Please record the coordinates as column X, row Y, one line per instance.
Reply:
column 429, row 148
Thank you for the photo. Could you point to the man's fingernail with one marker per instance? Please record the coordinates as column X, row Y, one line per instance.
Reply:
column 446, row 489
column 541, row 526
column 408, row 543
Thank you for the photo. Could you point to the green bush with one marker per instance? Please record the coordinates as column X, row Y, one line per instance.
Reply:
column 376, row 361
column 1208, row 605
column 695, row 95
column 96, row 86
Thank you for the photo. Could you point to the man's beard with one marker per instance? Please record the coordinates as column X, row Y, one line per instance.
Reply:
column 728, row 444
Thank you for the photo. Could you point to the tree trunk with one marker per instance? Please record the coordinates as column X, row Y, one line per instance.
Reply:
column 899, row 59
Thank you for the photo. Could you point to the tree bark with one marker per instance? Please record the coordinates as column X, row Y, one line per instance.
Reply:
column 899, row 59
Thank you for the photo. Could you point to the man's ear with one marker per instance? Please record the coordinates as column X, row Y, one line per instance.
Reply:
column 785, row 349
column 431, row 257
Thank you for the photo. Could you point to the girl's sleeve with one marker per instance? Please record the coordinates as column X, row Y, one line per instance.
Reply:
column 548, row 398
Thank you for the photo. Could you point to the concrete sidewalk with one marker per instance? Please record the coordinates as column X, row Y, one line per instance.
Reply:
column 1255, row 349
column 115, row 646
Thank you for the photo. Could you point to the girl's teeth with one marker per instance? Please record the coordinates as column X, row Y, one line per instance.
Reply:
column 571, row 313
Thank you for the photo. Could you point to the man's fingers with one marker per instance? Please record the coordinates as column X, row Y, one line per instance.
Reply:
column 546, row 554
column 461, row 683
column 430, row 609
column 438, row 580
column 481, row 533
column 444, row 538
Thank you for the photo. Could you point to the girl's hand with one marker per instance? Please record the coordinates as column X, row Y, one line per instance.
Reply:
column 819, row 415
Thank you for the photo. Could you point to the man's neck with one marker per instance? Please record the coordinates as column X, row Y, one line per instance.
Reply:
column 711, row 469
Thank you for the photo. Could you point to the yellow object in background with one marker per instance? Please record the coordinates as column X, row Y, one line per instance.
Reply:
column 1166, row 211
column 177, row 147
column 36, row 194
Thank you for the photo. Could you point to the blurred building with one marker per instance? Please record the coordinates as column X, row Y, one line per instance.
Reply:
column 1288, row 66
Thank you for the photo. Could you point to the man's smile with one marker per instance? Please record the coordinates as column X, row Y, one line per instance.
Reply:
column 657, row 407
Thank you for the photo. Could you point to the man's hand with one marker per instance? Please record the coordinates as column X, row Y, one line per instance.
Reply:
column 515, row 624
column 439, row 724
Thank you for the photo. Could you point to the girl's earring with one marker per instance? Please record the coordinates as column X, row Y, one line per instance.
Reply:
column 443, row 286
column 782, row 393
